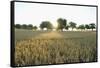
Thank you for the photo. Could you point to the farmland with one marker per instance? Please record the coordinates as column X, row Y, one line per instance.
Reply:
column 54, row 47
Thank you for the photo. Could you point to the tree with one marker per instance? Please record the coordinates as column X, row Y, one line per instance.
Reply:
column 67, row 27
column 46, row 24
column 92, row 26
column 42, row 26
column 35, row 27
column 72, row 25
column 24, row 26
column 82, row 27
column 18, row 26
column 30, row 26
column 61, row 24
column 87, row 26
column 49, row 25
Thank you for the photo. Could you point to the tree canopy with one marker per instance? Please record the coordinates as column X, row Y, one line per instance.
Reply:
column 18, row 26
column 35, row 27
column 92, row 26
column 81, row 27
column 72, row 25
column 87, row 26
column 30, row 26
column 61, row 23
column 46, row 24
column 24, row 26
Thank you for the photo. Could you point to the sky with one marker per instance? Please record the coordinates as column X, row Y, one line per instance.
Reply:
column 35, row 13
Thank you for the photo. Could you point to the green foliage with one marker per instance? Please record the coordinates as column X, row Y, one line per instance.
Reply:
column 67, row 27
column 61, row 23
column 24, row 26
column 35, row 27
column 72, row 25
column 87, row 26
column 81, row 27
column 30, row 26
column 92, row 26
column 18, row 26
column 46, row 24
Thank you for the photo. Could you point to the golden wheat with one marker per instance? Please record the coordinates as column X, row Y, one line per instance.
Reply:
column 54, row 51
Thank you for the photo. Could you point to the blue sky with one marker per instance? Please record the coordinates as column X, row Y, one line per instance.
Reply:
column 35, row 13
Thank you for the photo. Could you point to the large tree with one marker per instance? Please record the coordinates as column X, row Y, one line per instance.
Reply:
column 92, row 26
column 46, row 24
column 72, row 25
column 61, row 23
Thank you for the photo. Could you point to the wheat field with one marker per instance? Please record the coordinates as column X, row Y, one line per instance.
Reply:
column 53, row 47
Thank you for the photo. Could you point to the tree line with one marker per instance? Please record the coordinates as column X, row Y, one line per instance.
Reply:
column 25, row 26
column 62, row 24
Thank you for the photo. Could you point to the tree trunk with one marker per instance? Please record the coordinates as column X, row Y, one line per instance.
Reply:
column 61, row 30
column 72, row 29
column 92, row 29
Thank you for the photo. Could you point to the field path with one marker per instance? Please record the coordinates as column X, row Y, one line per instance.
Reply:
column 52, row 34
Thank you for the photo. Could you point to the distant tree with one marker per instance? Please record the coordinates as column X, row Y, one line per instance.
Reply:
column 92, row 26
column 18, row 26
column 46, row 24
column 61, row 23
column 24, row 26
column 35, row 27
column 30, row 26
column 72, row 25
column 42, row 26
column 82, row 27
column 87, row 26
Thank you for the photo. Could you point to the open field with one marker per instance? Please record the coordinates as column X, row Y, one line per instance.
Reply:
column 52, row 47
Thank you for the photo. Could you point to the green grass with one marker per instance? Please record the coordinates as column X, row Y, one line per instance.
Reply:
column 45, row 47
